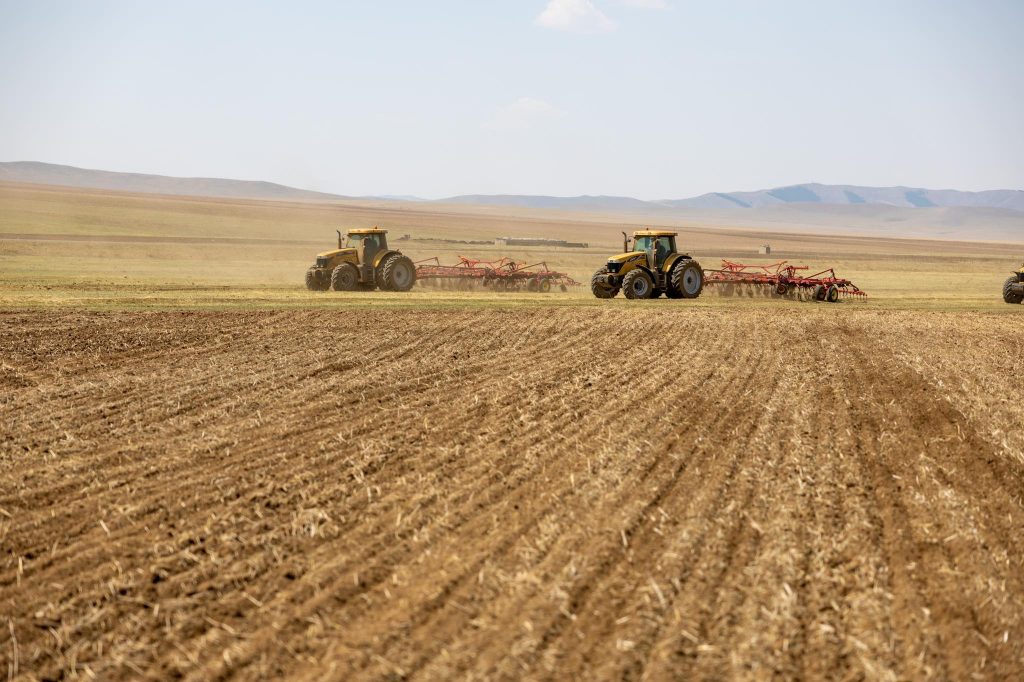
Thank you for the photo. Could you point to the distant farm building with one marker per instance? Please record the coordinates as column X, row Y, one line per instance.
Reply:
column 521, row 241
column 765, row 250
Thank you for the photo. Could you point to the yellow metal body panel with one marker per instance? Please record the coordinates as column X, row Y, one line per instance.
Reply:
column 639, row 258
column 368, row 230
column 337, row 252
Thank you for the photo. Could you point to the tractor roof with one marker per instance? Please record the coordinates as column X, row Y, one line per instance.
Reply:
column 654, row 233
column 368, row 230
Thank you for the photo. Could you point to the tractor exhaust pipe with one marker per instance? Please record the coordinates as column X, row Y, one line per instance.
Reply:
column 625, row 243
column 339, row 238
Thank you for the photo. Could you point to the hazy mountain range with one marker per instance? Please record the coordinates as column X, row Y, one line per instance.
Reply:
column 69, row 176
column 813, row 193
column 996, row 215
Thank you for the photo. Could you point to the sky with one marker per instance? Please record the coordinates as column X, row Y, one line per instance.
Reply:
column 655, row 99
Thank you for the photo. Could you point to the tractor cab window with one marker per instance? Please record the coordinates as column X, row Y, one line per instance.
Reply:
column 663, row 246
column 372, row 241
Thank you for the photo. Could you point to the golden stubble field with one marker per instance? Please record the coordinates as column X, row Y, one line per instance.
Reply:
column 545, row 492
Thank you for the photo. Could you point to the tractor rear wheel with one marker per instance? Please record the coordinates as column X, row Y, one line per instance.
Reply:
column 398, row 273
column 1011, row 293
column 687, row 278
column 345, row 277
column 637, row 284
column 600, row 287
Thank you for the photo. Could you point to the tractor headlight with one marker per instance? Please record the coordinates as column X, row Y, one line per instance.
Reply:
column 321, row 262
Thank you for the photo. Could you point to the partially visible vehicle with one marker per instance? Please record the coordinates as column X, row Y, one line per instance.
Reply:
column 1013, row 287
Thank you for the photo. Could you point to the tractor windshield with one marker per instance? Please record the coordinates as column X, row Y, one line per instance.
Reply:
column 663, row 245
column 356, row 240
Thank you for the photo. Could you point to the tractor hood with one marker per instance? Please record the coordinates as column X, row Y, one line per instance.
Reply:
column 625, row 257
column 335, row 252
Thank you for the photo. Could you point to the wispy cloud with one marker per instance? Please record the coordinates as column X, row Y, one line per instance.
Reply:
column 578, row 16
column 523, row 114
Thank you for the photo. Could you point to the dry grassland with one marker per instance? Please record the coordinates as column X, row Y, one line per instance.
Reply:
column 61, row 247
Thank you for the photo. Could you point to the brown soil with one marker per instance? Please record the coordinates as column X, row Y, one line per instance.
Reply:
column 648, row 491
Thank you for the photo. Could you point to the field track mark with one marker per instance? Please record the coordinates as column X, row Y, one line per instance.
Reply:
column 935, row 603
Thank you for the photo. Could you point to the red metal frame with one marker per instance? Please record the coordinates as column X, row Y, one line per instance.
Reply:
column 782, row 277
column 503, row 274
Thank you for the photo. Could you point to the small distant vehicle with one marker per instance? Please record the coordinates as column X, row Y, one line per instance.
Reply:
column 1013, row 288
column 364, row 262
column 652, row 267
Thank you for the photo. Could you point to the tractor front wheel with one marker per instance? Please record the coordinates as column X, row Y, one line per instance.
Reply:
column 599, row 285
column 1012, row 292
column 345, row 277
column 637, row 284
column 315, row 282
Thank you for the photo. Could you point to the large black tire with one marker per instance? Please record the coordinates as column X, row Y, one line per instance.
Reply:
column 345, row 277
column 832, row 295
column 398, row 273
column 637, row 284
column 315, row 282
column 687, row 278
column 819, row 292
column 599, row 287
column 1010, row 293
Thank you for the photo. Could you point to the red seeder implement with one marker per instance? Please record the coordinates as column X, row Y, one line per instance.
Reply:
column 503, row 274
column 782, row 279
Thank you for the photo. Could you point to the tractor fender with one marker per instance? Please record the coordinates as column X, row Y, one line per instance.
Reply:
column 671, row 261
column 381, row 255
column 650, row 273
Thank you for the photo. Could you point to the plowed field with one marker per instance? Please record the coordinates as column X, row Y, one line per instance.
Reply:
column 648, row 491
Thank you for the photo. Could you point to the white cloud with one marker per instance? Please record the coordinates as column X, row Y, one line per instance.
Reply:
column 523, row 114
column 646, row 4
column 579, row 16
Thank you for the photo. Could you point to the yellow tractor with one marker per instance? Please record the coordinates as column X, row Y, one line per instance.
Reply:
column 650, row 268
column 364, row 262
column 1013, row 288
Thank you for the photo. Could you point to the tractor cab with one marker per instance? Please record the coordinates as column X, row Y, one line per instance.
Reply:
column 374, row 239
column 367, row 244
column 657, row 245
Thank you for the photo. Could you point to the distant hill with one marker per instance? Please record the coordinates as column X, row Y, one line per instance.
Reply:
column 825, row 195
column 69, row 176
column 845, row 195
column 996, row 215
